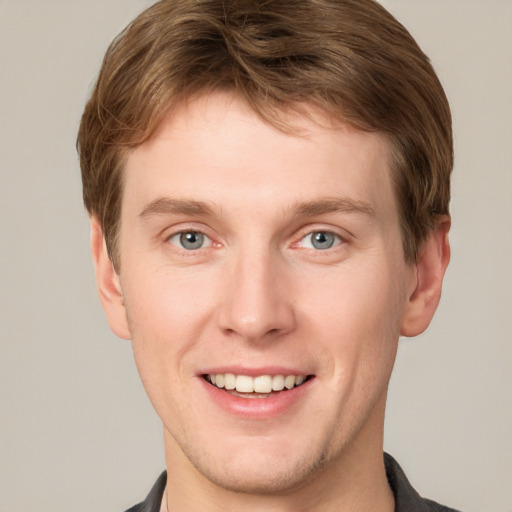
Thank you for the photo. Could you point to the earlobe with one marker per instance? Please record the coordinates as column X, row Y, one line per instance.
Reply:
column 424, row 297
column 109, row 286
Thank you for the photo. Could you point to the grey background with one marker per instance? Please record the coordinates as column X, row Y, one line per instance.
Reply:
column 76, row 430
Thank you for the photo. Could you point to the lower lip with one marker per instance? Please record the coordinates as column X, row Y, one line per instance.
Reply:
column 257, row 408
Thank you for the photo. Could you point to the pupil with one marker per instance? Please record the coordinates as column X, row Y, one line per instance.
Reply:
column 191, row 240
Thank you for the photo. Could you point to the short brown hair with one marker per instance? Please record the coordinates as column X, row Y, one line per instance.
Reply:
column 351, row 58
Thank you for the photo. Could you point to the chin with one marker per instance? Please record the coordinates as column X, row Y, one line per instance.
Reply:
column 261, row 473
column 262, row 481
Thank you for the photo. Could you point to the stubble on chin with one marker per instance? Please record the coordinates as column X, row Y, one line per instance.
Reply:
column 270, row 479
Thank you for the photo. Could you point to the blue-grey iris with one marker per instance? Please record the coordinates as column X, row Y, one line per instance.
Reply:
column 191, row 240
column 322, row 239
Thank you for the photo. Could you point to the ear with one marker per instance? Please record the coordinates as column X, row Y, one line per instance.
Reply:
column 425, row 291
column 109, row 286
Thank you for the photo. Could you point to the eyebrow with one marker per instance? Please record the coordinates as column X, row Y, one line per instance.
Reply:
column 333, row 205
column 168, row 206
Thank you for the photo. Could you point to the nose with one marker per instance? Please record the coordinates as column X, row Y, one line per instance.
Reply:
column 256, row 302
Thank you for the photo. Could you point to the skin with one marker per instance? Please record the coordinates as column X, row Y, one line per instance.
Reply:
column 259, row 294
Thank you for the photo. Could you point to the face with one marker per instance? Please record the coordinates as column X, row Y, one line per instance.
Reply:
column 264, row 287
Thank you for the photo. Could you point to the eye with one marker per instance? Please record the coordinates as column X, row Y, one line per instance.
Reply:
column 320, row 240
column 190, row 240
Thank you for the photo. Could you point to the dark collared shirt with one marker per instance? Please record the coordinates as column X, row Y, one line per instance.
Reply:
column 406, row 498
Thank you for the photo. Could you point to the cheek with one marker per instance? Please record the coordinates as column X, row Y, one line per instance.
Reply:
column 162, row 315
column 355, row 319
column 359, row 302
column 160, row 301
column 159, row 322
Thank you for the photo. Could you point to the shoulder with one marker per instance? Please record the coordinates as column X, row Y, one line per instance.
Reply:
column 154, row 498
column 436, row 507
column 406, row 498
column 136, row 508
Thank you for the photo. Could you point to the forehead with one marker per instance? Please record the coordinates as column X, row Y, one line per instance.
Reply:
column 215, row 148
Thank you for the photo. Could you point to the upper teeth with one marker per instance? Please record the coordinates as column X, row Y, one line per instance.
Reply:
column 260, row 384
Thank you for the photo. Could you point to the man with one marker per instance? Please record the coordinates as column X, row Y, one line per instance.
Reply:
column 268, row 186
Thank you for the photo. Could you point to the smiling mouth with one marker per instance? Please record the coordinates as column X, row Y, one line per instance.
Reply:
column 262, row 386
